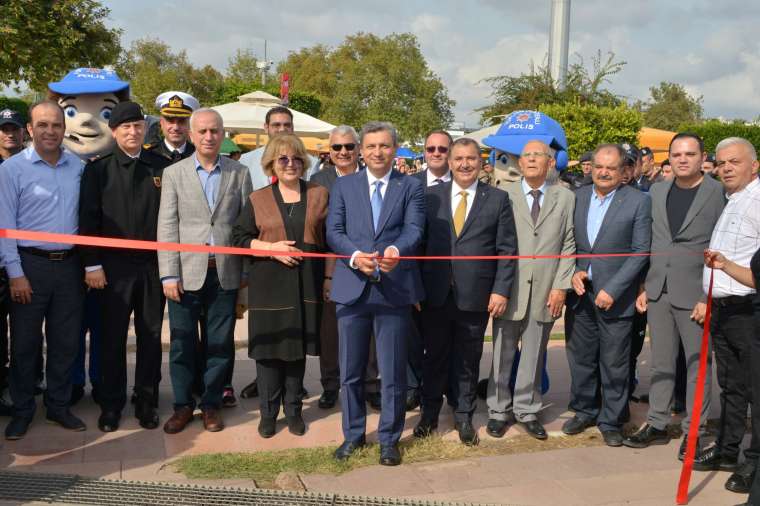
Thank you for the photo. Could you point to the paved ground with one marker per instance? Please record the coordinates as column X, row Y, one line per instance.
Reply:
column 597, row 475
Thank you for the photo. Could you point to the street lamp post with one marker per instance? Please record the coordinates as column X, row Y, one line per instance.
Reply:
column 559, row 40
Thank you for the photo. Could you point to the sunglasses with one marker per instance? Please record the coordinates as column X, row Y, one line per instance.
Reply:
column 441, row 149
column 283, row 162
column 339, row 147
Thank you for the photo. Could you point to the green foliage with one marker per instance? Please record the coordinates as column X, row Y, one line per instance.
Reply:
column 537, row 87
column 15, row 104
column 670, row 106
column 373, row 78
column 41, row 40
column 588, row 125
column 152, row 68
column 713, row 131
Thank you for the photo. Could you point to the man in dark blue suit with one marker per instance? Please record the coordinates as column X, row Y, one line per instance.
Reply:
column 610, row 218
column 465, row 217
column 372, row 213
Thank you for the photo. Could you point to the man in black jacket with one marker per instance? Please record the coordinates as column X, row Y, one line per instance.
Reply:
column 119, row 198
column 464, row 218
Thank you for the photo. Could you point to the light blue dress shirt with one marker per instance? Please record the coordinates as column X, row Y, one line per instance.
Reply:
column 597, row 209
column 529, row 198
column 37, row 196
column 210, row 185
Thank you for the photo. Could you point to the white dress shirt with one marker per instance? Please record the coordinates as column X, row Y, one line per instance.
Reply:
column 171, row 148
column 455, row 197
column 529, row 198
column 737, row 236
column 431, row 178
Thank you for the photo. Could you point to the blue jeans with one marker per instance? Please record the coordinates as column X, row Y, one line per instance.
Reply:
column 219, row 307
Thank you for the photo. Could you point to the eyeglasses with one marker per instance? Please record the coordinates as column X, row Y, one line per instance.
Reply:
column 441, row 149
column 339, row 147
column 535, row 154
column 283, row 162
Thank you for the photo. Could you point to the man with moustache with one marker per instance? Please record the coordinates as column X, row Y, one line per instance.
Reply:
column 39, row 191
column 464, row 217
column 684, row 214
column 11, row 142
column 344, row 158
column 436, row 153
column 610, row 217
column 120, row 198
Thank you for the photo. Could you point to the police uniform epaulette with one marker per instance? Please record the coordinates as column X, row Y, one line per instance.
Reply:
column 150, row 146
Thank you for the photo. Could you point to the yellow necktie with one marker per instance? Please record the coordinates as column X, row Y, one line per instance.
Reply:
column 460, row 213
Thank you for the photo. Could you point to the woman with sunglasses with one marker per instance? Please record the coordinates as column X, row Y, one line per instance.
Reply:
column 284, row 291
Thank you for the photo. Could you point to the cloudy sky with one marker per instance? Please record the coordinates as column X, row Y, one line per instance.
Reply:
column 710, row 47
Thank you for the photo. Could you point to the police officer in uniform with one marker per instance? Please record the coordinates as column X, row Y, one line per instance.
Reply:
column 120, row 196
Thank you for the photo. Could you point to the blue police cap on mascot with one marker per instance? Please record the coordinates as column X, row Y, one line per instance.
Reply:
column 519, row 128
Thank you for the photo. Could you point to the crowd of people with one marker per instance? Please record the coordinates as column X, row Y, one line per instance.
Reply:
column 390, row 332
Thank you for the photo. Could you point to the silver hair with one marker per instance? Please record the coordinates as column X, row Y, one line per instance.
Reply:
column 378, row 126
column 206, row 110
column 345, row 130
column 552, row 152
column 731, row 141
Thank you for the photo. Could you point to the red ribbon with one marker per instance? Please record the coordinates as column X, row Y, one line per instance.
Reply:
column 682, row 496
column 108, row 242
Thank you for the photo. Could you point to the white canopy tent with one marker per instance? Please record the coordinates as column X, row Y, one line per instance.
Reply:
column 248, row 115
column 479, row 135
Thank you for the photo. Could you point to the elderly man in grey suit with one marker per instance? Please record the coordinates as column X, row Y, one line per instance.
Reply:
column 610, row 218
column 684, row 213
column 201, row 198
column 544, row 223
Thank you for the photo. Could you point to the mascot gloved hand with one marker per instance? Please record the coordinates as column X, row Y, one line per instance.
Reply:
column 518, row 129
column 87, row 97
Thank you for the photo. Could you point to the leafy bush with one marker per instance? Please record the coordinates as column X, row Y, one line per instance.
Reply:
column 15, row 104
column 714, row 131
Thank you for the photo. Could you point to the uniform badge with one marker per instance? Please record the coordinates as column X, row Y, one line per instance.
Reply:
column 157, row 182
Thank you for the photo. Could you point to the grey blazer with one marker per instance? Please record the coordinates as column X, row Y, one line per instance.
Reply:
column 626, row 228
column 681, row 266
column 184, row 216
column 552, row 234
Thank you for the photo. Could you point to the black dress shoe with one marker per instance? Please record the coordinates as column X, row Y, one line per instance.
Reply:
column 425, row 428
column 17, row 427
column 328, row 399
column 412, row 399
column 575, row 426
column 267, row 427
column 347, row 449
column 467, row 433
column 109, row 421
column 612, row 438
column 710, row 459
column 535, row 429
column 67, row 421
column 296, row 425
column 389, row 455
column 77, row 392
column 374, row 400
column 741, row 480
column 647, row 435
column 250, row 391
column 146, row 415
column 682, row 448
column 496, row 428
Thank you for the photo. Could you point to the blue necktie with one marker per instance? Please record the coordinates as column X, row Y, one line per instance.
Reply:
column 377, row 203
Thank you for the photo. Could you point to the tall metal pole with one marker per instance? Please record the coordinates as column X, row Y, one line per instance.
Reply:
column 559, row 41
column 266, row 67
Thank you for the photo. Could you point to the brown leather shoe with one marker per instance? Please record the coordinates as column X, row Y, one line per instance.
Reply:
column 179, row 420
column 212, row 420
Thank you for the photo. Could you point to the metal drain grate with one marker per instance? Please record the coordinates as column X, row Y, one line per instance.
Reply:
column 72, row 489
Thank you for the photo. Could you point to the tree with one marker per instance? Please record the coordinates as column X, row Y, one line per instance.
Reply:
column 588, row 125
column 152, row 68
column 40, row 40
column 242, row 67
column 713, row 131
column 373, row 78
column 670, row 106
column 537, row 87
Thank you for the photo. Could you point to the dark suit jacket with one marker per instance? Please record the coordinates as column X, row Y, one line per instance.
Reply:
column 350, row 229
column 626, row 228
column 325, row 177
column 488, row 230
column 681, row 268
